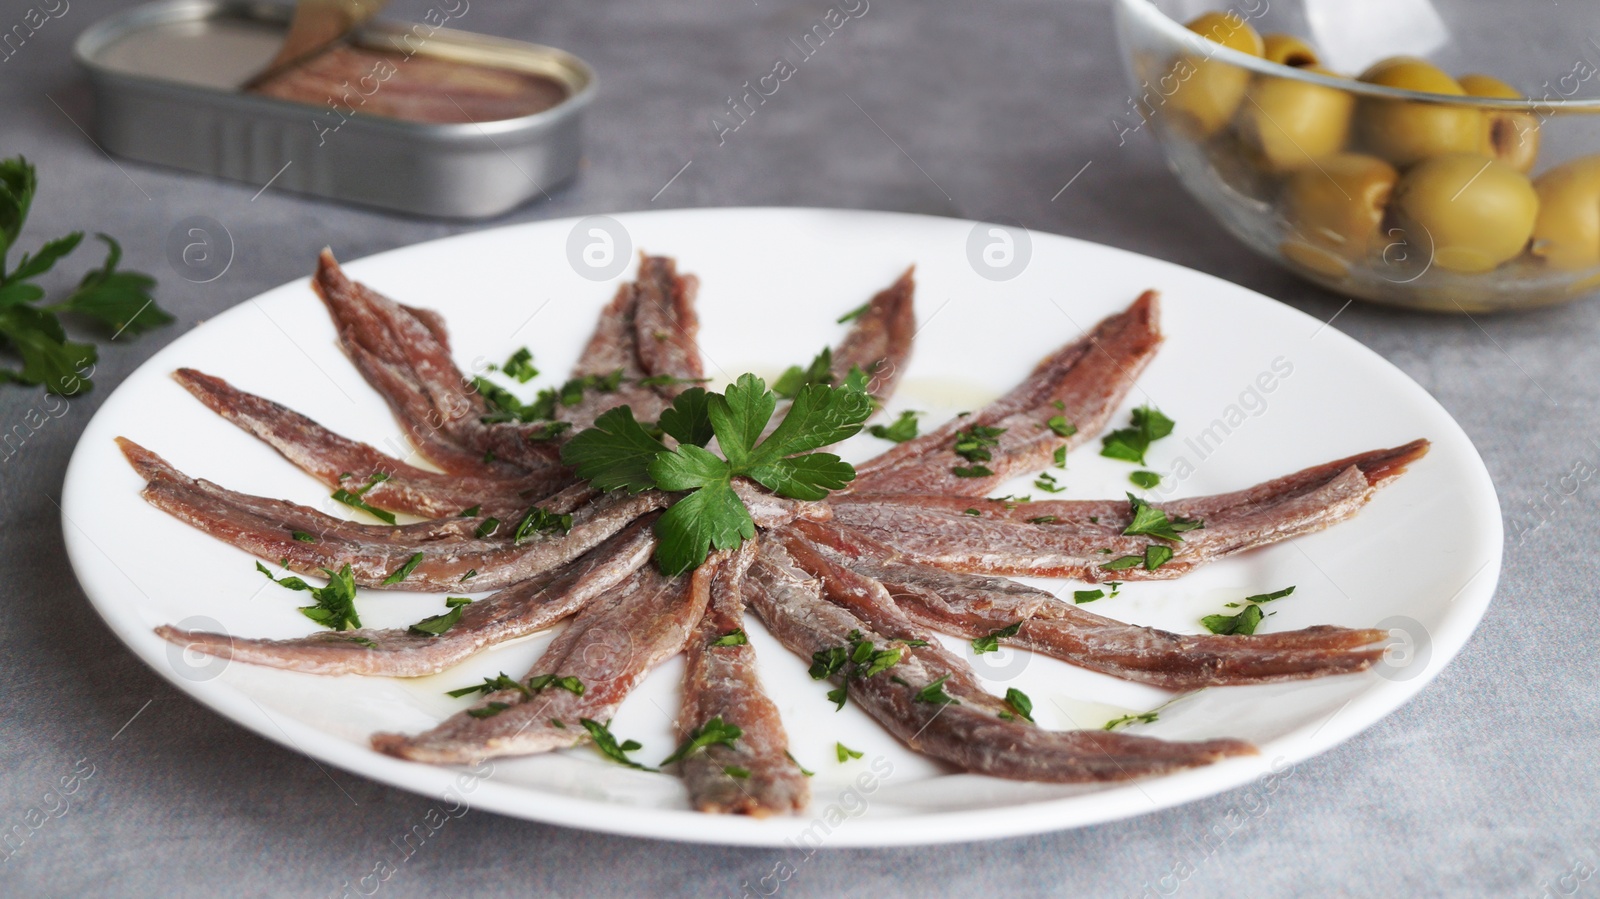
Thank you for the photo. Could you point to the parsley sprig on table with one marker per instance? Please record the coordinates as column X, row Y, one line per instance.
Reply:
column 118, row 300
column 618, row 453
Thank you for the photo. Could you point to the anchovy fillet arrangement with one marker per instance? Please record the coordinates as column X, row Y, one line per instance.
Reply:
column 862, row 583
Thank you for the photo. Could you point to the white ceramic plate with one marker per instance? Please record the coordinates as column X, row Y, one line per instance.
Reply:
column 1424, row 557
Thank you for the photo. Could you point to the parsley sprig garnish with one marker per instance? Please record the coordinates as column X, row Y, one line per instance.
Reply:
column 118, row 300
column 439, row 624
column 618, row 453
column 1130, row 444
column 818, row 373
column 991, row 643
column 1021, row 705
column 859, row 658
column 712, row 733
column 354, row 498
column 610, row 747
column 1149, row 521
column 1248, row 618
column 335, row 604
column 900, row 430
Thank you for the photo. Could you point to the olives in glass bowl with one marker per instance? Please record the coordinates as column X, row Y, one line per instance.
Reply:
column 1434, row 154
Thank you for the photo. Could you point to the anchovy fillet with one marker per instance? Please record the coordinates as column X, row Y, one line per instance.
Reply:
column 449, row 548
column 335, row 460
column 609, row 647
column 1081, row 384
column 516, row 611
column 974, row 606
column 753, row 775
column 1085, row 540
column 969, row 731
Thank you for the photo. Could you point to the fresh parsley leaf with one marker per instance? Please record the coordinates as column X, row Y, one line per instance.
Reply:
column 809, row 477
column 794, row 378
column 973, row 443
column 473, row 512
column 935, row 693
column 438, row 624
column 991, row 643
column 902, row 429
column 520, row 366
column 826, row 662
column 353, row 498
column 615, row 453
column 1141, row 718
column 1248, row 618
column 818, row 417
column 1047, row 483
column 18, row 181
column 1020, row 703
column 335, row 606
column 48, row 357
column 712, row 516
column 1043, row 519
column 486, row 527
column 689, row 467
column 710, row 734
column 1243, row 623
column 569, row 683
column 1144, row 479
column 541, row 521
column 973, row 512
column 119, row 300
column 1156, row 555
column 1061, row 427
column 490, row 710
column 1060, row 457
column 1122, row 563
column 34, row 264
column 971, row 471
column 737, row 772
column 734, row 637
column 855, row 313
column 687, row 420
column 838, row 696
column 1130, row 444
column 1150, row 521
column 845, row 753
column 1082, row 596
column 404, row 571
column 739, row 415
column 608, row 745
column 491, row 685
column 303, row 537
column 798, row 765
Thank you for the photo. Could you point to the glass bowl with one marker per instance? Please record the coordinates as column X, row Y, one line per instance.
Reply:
column 1328, row 136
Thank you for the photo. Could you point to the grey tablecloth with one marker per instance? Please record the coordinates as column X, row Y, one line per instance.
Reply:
column 1482, row 785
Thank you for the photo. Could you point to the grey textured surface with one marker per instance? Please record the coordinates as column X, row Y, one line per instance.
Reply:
column 1482, row 785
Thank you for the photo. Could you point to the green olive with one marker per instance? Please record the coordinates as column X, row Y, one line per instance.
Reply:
column 1288, row 50
column 1293, row 123
column 1567, row 233
column 1209, row 90
column 1407, row 131
column 1335, row 210
column 1511, row 137
column 1473, row 211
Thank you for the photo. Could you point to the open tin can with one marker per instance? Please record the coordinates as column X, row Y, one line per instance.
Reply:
column 166, row 78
